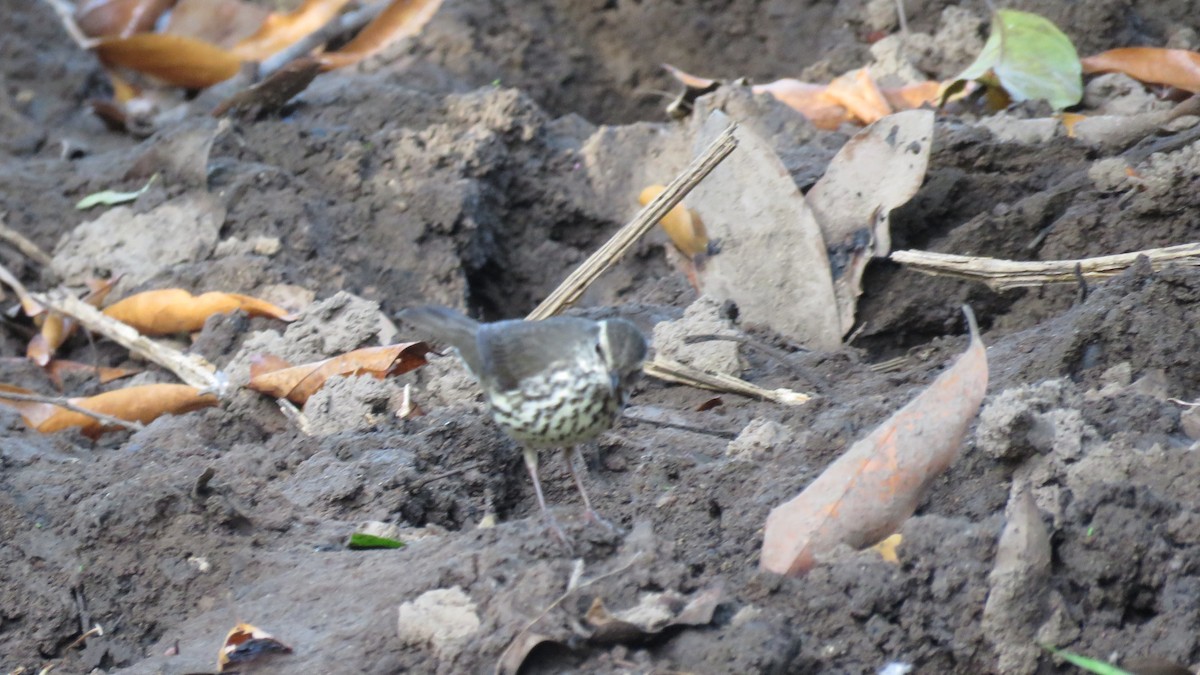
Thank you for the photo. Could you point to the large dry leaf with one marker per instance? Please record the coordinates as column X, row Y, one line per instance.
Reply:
column 879, row 169
column 857, row 91
column 174, row 310
column 773, row 261
column 143, row 403
column 175, row 59
column 1175, row 67
column 810, row 100
column 98, row 18
column 653, row 614
column 281, row 29
column 865, row 494
column 271, row 375
column 401, row 19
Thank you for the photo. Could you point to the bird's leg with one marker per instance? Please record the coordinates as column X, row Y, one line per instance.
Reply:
column 589, row 513
column 531, row 463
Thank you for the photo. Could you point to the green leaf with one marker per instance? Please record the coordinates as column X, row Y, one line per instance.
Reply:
column 359, row 541
column 1029, row 58
column 112, row 197
column 1088, row 664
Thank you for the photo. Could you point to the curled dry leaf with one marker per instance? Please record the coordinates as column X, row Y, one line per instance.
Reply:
column 858, row 93
column 246, row 643
column 98, row 18
column 55, row 328
column 655, row 613
column 143, row 403
column 280, row 29
column 1174, row 67
column 174, row 310
column 175, row 59
column 273, row 376
column 400, row 19
column 865, row 494
column 681, row 224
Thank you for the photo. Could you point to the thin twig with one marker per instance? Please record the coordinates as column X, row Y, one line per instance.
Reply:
column 190, row 368
column 612, row 251
column 673, row 371
column 66, row 403
column 1002, row 275
column 22, row 244
column 571, row 589
column 66, row 15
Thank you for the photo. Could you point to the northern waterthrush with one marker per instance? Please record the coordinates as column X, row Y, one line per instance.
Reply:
column 550, row 384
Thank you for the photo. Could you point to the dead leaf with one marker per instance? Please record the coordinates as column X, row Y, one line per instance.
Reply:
column 1175, row 67
column 887, row 548
column 99, row 18
column 401, row 19
column 246, row 643
column 297, row 383
column 223, row 23
column 175, row 59
column 770, row 239
column 865, row 494
column 653, row 614
column 268, row 96
column 810, row 100
column 142, row 403
column 281, row 29
column 879, row 169
column 56, row 329
column 858, row 93
column 913, row 96
column 1069, row 120
column 174, row 310
column 682, row 225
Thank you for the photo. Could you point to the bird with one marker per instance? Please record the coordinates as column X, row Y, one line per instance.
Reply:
column 552, row 383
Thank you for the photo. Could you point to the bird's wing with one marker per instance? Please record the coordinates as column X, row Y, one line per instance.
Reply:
column 511, row 351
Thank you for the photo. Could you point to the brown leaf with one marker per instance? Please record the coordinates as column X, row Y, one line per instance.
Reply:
column 175, row 59
column 248, row 643
column 865, row 494
column 912, row 96
column 810, row 100
column 55, row 328
column 174, row 310
column 281, row 29
column 57, row 368
column 400, row 19
column 653, row 614
column 143, row 403
column 681, row 224
column 98, row 18
column 1176, row 67
column 223, row 23
column 858, row 93
column 297, row 383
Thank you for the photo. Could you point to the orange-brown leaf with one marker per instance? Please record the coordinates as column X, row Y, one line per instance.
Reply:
column 97, row 18
column 297, row 383
column 912, row 96
column 681, row 224
column 865, row 494
column 857, row 91
column 400, row 19
column 810, row 100
column 174, row 310
column 1176, row 67
column 55, row 328
column 281, row 29
column 104, row 374
column 175, row 59
column 687, row 79
column 143, row 403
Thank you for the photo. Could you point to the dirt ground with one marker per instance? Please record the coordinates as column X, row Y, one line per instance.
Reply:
column 476, row 166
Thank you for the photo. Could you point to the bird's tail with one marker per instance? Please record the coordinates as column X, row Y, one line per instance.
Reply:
column 444, row 325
